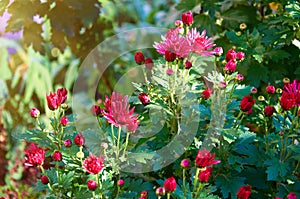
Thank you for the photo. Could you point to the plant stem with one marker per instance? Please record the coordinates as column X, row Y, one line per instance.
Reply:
column 169, row 195
column 93, row 192
column 118, row 141
column 112, row 134
column 126, row 143
column 196, row 179
column 57, row 173
column 99, row 184
column 198, row 190
column 183, row 183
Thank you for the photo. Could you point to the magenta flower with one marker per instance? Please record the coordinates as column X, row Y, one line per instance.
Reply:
column 54, row 100
column 93, row 164
column 34, row 112
column 202, row 44
column 293, row 89
column 175, row 43
column 204, row 158
column 34, row 156
column 117, row 112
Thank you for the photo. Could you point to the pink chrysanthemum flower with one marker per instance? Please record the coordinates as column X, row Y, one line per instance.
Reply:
column 117, row 112
column 202, row 44
column 34, row 156
column 175, row 43
column 93, row 164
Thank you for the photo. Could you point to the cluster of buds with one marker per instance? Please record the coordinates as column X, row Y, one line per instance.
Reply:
column 231, row 59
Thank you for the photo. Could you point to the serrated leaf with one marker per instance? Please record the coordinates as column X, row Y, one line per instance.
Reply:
column 276, row 169
column 229, row 185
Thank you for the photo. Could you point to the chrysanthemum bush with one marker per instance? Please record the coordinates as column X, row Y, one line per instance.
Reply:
column 192, row 130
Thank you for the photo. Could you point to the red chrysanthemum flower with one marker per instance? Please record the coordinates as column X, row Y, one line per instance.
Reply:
column 293, row 88
column 34, row 156
column 93, row 164
column 54, row 100
column 170, row 184
column 200, row 43
column 117, row 112
column 244, row 192
column 287, row 101
column 204, row 175
column 204, row 158
column 247, row 103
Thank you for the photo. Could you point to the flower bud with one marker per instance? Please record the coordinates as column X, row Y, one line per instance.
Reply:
column 149, row 63
column 239, row 77
column 160, row 191
column 57, row 156
column 170, row 56
column 144, row 98
column 206, row 93
column 204, row 175
column 104, row 145
column 261, row 98
column 253, row 90
column 240, row 56
column 170, row 71
column 139, row 58
column 79, row 139
column 222, row 85
column 230, row 67
column 44, row 180
column 178, row 23
column 64, row 106
column 92, row 185
column 120, row 182
column 230, row 55
column 270, row 89
column 243, row 26
column 286, row 80
column 96, row 110
column 34, row 112
column 187, row 18
column 185, row 163
column 144, row 194
column 64, row 120
column 269, row 110
column 188, row 65
column 68, row 143
column 218, row 51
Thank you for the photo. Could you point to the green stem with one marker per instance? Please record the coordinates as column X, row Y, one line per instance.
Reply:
column 266, row 135
column 93, row 192
column 57, row 173
column 183, row 183
column 126, row 143
column 198, row 190
column 196, row 179
column 112, row 134
column 99, row 185
column 118, row 141
column 169, row 195
column 232, row 89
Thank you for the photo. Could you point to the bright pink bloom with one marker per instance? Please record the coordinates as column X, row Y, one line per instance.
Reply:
column 68, row 143
column 62, row 94
column 204, row 158
column 292, row 195
column 218, row 51
column 270, row 89
column 170, row 71
column 34, row 112
column 293, row 88
column 187, row 18
column 120, row 182
column 244, row 192
column 93, row 164
column 79, row 139
column 239, row 77
column 34, row 156
column 54, row 100
column 240, row 56
column 117, row 112
column 92, row 185
column 287, row 101
column 201, row 44
column 178, row 23
column 160, row 191
column 64, row 120
column 170, row 184
column 247, row 103
column 174, row 43
column 204, row 175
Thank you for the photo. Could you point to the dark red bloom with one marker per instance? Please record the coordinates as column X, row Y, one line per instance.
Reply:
column 93, row 164
column 188, row 65
column 144, row 98
column 269, row 110
column 247, row 103
column 287, row 101
column 170, row 56
column 52, row 101
column 293, row 88
column 96, row 110
column 244, row 192
column 62, row 94
column 292, row 195
column 34, row 112
column 230, row 67
column 79, row 139
column 170, row 184
column 57, row 156
column 149, row 63
column 92, row 185
column 64, row 120
column 206, row 93
column 204, row 158
column 187, row 18
column 270, row 89
column 230, row 55
column 44, row 180
column 139, row 58
column 204, row 175
column 34, row 156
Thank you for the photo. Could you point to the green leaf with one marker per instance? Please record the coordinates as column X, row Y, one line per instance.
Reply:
column 276, row 169
column 229, row 185
column 93, row 140
column 186, row 5
column 233, row 17
column 4, row 66
column 257, row 73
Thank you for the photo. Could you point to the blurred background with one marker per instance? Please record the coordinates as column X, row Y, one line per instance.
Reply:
column 44, row 42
